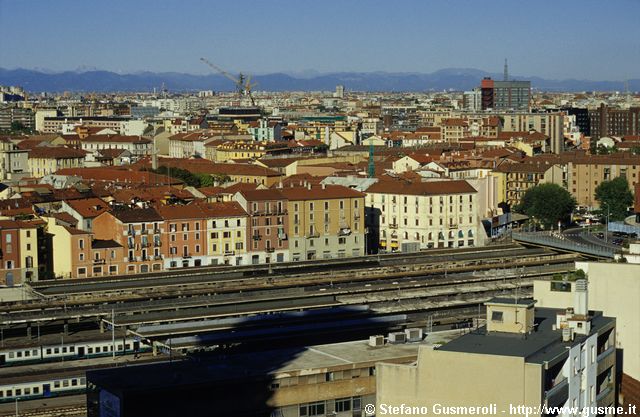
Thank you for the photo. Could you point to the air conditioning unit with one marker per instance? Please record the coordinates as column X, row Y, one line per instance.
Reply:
column 377, row 340
column 413, row 334
column 397, row 337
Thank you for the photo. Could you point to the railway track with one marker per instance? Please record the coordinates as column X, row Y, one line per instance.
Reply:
column 81, row 298
column 288, row 288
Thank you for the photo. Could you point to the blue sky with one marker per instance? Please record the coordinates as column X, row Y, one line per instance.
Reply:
column 584, row 39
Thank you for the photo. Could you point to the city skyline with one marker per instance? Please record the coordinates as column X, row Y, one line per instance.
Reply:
column 562, row 42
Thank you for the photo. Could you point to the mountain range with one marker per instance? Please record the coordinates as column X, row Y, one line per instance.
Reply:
column 459, row 79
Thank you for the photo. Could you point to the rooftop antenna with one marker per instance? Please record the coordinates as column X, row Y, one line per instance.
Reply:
column 506, row 70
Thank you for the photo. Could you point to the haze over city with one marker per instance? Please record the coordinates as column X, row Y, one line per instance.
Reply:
column 570, row 39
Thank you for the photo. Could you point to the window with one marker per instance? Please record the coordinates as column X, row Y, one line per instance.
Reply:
column 343, row 404
column 312, row 409
column 496, row 316
column 81, row 243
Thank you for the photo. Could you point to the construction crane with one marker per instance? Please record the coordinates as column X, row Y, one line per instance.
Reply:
column 243, row 82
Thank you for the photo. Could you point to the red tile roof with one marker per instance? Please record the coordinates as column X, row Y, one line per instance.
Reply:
column 385, row 186
column 325, row 192
column 119, row 176
column 115, row 139
column 55, row 152
column 89, row 207
column 262, row 195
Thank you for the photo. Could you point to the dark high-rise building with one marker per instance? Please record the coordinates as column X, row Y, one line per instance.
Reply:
column 582, row 119
column 505, row 95
column 486, row 93
column 606, row 121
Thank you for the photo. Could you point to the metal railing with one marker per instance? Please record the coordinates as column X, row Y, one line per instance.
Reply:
column 558, row 241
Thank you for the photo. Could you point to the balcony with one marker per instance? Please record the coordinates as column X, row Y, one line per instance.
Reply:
column 453, row 225
column 131, row 232
column 270, row 249
column 606, row 359
column 158, row 257
column 344, row 231
column 98, row 261
column 313, row 235
column 229, row 253
column 393, row 225
column 156, row 231
column 558, row 394
column 282, row 236
column 605, row 397
column 157, row 244
column 186, row 255
column 257, row 237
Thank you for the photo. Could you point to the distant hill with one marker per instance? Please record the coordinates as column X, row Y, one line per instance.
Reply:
column 446, row 79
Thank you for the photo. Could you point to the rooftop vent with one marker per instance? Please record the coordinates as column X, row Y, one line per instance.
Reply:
column 376, row 341
column 397, row 337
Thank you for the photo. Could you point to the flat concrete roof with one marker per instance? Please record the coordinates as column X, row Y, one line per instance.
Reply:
column 272, row 364
column 539, row 346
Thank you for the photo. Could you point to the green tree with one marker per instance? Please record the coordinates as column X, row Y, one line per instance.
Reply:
column 205, row 180
column 548, row 203
column 616, row 196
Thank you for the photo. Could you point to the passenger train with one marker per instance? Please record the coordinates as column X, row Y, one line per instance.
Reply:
column 54, row 387
column 70, row 351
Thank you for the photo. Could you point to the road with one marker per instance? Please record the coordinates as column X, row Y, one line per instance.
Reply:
column 582, row 235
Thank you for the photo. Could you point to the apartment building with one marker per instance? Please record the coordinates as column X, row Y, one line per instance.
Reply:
column 608, row 121
column 45, row 160
column 55, row 124
column 586, row 172
column 140, row 231
column 524, row 356
column 515, row 179
column 548, row 124
column 265, row 130
column 227, row 225
column 137, row 146
column 18, row 252
column 14, row 162
column 182, row 236
column 613, row 289
column 77, row 254
column 432, row 214
column 454, row 129
column 268, row 224
column 189, row 145
column 84, row 210
column 249, row 150
column 325, row 221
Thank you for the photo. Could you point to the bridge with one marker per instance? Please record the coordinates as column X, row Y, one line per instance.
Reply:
column 560, row 242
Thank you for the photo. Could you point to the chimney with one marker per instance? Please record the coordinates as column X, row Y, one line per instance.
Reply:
column 581, row 299
column 324, row 186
